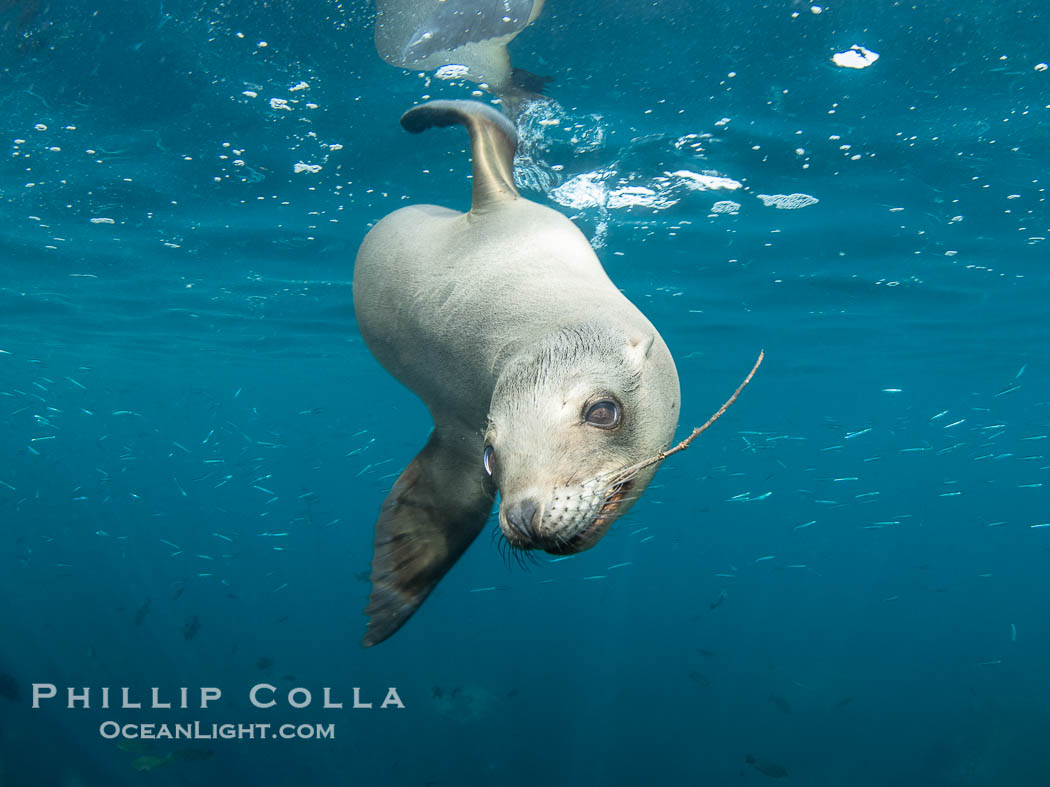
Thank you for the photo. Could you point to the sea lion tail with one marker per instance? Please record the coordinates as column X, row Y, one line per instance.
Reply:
column 493, row 140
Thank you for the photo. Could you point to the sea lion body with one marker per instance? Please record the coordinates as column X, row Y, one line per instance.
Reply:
column 444, row 325
column 543, row 379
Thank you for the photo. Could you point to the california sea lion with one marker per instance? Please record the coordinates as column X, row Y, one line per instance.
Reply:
column 543, row 380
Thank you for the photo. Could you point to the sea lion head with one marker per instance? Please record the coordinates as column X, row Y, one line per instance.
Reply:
column 567, row 417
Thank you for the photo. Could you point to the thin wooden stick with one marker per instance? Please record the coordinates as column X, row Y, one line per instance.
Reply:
column 721, row 411
column 662, row 455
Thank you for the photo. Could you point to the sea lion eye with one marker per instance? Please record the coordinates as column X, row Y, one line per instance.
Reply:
column 605, row 414
column 489, row 459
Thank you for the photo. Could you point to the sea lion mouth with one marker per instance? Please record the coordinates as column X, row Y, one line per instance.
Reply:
column 592, row 533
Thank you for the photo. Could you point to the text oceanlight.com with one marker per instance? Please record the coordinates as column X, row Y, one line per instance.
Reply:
column 203, row 732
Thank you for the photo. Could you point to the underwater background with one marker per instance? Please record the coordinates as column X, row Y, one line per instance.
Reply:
column 842, row 582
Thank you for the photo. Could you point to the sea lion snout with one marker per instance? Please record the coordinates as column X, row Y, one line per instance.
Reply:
column 564, row 520
column 521, row 516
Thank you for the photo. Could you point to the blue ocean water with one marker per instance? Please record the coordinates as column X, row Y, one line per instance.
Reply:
column 843, row 580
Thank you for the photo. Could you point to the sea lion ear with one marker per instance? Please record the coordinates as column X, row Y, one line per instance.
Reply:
column 639, row 346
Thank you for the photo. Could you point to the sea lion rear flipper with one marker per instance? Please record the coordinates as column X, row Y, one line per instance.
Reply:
column 492, row 143
column 523, row 89
column 529, row 82
column 435, row 510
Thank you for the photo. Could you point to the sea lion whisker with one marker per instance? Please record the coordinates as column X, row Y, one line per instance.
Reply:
column 504, row 548
column 526, row 558
column 630, row 497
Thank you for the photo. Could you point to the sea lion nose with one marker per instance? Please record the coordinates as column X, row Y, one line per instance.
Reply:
column 522, row 515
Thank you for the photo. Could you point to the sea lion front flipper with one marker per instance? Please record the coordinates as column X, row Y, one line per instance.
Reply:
column 493, row 140
column 435, row 510
column 522, row 89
